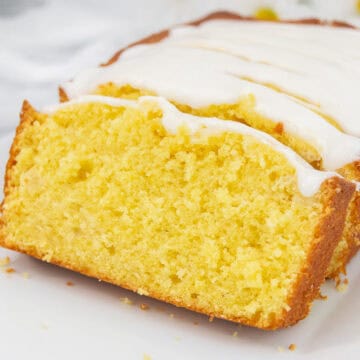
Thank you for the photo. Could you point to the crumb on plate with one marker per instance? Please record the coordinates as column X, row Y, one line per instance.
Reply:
column 322, row 297
column 146, row 357
column 126, row 300
column 292, row 347
column 144, row 307
column 10, row 270
column 4, row 261
column 342, row 287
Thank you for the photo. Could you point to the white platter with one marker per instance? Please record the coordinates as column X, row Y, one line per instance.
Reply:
column 43, row 318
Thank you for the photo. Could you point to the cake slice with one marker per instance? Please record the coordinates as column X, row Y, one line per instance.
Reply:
column 206, row 214
column 287, row 79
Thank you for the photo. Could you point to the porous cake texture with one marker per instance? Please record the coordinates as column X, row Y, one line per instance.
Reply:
column 210, row 215
column 284, row 78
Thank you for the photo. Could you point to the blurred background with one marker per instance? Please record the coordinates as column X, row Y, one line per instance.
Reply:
column 45, row 42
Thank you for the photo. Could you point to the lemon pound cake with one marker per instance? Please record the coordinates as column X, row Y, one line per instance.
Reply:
column 206, row 214
column 296, row 81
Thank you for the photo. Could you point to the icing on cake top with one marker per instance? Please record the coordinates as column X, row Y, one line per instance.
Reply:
column 221, row 61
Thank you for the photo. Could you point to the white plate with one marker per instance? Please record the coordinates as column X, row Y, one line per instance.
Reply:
column 43, row 318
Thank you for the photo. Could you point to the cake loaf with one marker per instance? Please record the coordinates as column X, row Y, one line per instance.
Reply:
column 297, row 81
column 206, row 214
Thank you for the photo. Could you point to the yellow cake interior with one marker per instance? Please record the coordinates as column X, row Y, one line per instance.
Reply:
column 215, row 222
column 244, row 111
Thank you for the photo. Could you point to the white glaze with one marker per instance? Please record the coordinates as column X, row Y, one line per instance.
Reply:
column 207, row 64
column 309, row 179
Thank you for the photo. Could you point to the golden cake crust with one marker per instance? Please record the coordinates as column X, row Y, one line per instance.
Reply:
column 335, row 196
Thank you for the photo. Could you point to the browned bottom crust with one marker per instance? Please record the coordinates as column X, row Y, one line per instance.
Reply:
column 336, row 194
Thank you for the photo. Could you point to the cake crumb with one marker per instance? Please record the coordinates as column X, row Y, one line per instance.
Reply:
column 235, row 334
column 10, row 270
column 4, row 261
column 292, row 347
column 44, row 326
column 172, row 316
column 144, row 307
column 146, row 357
column 287, row 307
column 142, row 292
column 279, row 129
column 25, row 275
column 126, row 300
column 195, row 323
column 211, row 318
column 341, row 285
column 280, row 349
column 69, row 283
column 322, row 297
